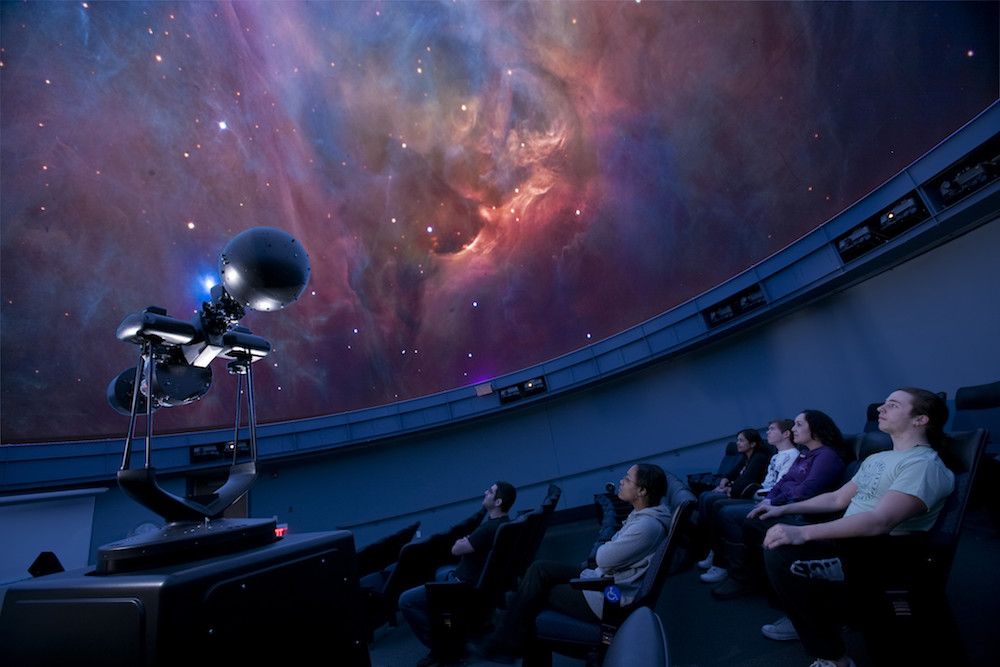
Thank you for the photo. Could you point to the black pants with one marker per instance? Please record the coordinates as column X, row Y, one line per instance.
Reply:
column 745, row 559
column 545, row 586
column 820, row 589
column 804, row 581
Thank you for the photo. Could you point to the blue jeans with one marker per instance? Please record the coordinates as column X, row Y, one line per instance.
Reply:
column 414, row 608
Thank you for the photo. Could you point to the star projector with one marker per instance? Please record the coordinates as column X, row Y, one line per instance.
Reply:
column 261, row 269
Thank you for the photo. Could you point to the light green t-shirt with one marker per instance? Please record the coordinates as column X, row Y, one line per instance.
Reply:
column 917, row 471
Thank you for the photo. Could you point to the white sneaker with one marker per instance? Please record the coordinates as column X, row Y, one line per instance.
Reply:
column 820, row 662
column 781, row 630
column 707, row 563
column 714, row 575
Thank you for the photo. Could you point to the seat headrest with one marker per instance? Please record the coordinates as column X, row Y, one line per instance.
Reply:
column 978, row 397
column 871, row 442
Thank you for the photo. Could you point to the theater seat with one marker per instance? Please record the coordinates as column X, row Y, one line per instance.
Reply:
column 460, row 610
column 382, row 553
column 706, row 481
column 640, row 642
column 415, row 564
column 978, row 406
column 897, row 582
column 538, row 525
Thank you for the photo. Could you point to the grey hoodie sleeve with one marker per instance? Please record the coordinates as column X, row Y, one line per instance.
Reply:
column 638, row 537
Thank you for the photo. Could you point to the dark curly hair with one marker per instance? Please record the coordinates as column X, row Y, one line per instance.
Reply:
column 651, row 477
column 826, row 431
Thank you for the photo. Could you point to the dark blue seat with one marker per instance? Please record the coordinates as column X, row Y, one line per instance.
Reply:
column 538, row 525
column 978, row 406
column 706, row 481
column 380, row 554
column 460, row 610
column 640, row 642
column 898, row 582
column 414, row 564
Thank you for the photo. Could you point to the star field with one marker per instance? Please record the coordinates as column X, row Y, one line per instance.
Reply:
column 480, row 186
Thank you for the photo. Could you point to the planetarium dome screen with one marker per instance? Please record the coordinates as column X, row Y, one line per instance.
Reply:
column 480, row 186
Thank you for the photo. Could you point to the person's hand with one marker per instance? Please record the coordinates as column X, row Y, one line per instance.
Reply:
column 758, row 510
column 782, row 533
column 769, row 511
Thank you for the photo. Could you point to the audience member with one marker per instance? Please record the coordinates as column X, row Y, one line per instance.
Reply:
column 779, row 436
column 750, row 470
column 472, row 551
column 625, row 556
column 818, row 468
column 898, row 491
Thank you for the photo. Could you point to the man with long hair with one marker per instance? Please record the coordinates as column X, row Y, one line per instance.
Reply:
column 897, row 491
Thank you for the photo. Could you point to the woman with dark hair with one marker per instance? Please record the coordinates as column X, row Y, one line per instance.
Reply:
column 823, row 429
column 818, row 469
column 896, row 491
column 750, row 470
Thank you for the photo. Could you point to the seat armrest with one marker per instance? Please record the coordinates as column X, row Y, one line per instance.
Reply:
column 912, row 556
column 591, row 583
column 450, row 596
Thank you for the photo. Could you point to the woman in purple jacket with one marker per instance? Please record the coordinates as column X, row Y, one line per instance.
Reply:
column 818, row 469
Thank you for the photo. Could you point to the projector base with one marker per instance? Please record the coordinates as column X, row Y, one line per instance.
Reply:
column 184, row 541
column 295, row 601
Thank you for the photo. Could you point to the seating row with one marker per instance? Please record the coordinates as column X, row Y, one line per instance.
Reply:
column 399, row 562
column 898, row 582
column 460, row 610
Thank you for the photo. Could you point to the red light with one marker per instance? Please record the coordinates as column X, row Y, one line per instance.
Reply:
column 281, row 530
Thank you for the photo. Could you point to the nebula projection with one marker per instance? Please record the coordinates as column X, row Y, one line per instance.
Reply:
column 480, row 186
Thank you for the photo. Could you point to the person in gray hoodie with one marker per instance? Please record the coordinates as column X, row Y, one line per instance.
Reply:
column 625, row 556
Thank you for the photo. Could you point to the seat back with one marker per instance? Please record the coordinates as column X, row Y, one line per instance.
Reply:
column 384, row 552
column 903, row 610
column 863, row 445
column 979, row 407
column 961, row 452
column 535, row 524
column 419, row 558
column 499, row 566
column 640, row 641
column 871, row 417
column 682, row 504
column 458, row 609
column 534, row 533
column 552, row 497
column 700, row 482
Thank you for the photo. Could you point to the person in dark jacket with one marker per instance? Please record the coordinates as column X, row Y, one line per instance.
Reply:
column 750, row 470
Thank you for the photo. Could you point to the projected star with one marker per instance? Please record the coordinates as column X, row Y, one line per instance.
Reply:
column 481, row 186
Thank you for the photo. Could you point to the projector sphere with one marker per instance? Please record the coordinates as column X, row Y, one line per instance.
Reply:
column 264, row 268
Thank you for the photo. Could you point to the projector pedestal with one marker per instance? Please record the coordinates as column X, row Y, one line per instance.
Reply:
column 184, row 541
column 293, row 601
